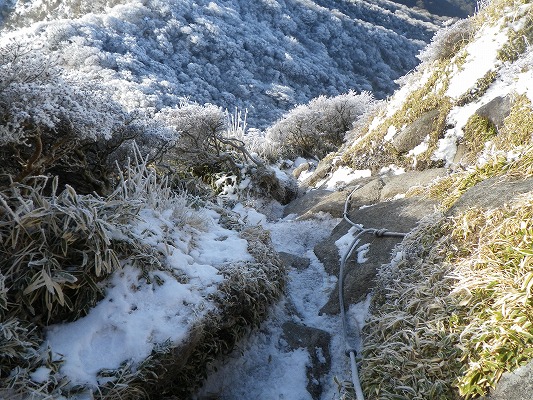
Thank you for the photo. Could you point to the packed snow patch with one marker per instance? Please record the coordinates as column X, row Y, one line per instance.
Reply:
column 141, row 312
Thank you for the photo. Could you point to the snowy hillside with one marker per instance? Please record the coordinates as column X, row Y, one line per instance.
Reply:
column 264, row 56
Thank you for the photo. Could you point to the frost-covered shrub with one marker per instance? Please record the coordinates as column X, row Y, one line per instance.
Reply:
column 448, row 40
column 45, row 117
column 202, row 145
column 54, row 123
column 318, row 128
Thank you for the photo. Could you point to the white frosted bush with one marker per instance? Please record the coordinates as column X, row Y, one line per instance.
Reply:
column 36, row 94
column 315, row 129
column 447, row 41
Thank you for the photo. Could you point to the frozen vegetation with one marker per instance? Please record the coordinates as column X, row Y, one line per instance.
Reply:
column 264, row 56
column 149, row 147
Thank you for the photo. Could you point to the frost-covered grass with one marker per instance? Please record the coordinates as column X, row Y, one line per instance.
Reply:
column 100, row 294
column 452, row 311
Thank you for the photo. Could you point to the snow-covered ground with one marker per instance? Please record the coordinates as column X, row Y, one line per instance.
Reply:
column 263, row 366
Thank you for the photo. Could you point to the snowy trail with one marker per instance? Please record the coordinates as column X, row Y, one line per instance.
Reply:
column 264, row 367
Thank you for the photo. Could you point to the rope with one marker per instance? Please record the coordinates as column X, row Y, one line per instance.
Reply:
column 351, row 348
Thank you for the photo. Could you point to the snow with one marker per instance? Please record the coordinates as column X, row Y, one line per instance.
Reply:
column 480, row 60
column 343, row 176
column 345, row 242
column 391, row 132
column 263, row 366
column 41, row 374
column 135, row 316
column 392, row 169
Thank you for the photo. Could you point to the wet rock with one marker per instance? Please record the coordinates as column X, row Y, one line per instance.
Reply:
column 317, row 343
column 323, row 168
column 311, row 200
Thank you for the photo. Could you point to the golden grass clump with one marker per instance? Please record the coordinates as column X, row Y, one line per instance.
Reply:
column 518, row 40
column 518, row 126
column 494, row 273
column 477, row 131
column 454, row 310
column 371, row 151
column 479, row 89
column 495, row 9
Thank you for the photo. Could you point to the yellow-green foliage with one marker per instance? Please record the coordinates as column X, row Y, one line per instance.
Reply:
column 371, row 152
column 515, row 136
column 494, row 273
column 518, row 42
column 455, row 310
column 477, row 131
column 495, row 10
column 518, row 126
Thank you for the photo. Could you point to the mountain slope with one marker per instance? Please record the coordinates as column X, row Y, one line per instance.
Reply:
column 265, row 56
column 451, row 8
column 451, row 313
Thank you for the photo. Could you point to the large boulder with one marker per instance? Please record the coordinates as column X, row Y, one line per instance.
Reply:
column 400, row 215
column 399, row 184
column 496, row 110
column 414, row 134
column 491, row 193
column 516, row 385
column 322, row 200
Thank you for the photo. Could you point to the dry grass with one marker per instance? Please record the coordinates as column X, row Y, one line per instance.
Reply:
column 455, row 309
column 371, row 151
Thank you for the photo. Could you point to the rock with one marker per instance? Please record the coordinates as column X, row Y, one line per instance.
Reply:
column 317, row 343
column 496, row 110
column 282, row 190
column 323, row 168
column 516, row 385
column 400, row 184
column 308, row 201
column 301, row 168
column 400, row 215
column 414, row 134
column 321, row 200
column 460, row 155
column 290, row 260
column 368, row 193
column 491, row 193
